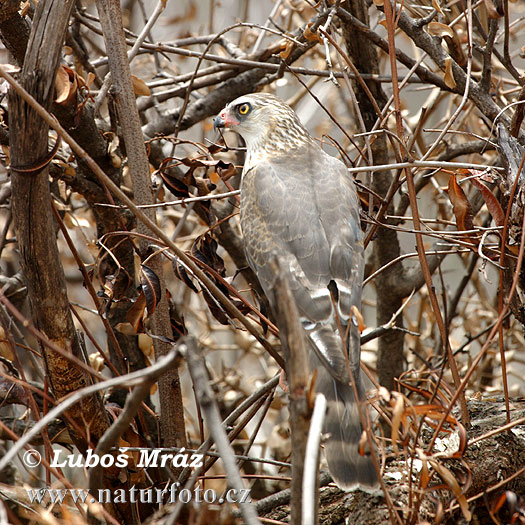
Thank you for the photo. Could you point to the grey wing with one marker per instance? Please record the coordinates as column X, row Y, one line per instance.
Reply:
column 343, row 227
column 304, row 211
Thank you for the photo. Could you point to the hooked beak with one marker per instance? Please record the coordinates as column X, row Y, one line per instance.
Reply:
column 218, row 123
column 224, row 120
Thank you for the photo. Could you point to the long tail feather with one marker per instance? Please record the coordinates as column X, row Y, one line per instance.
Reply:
column 348, row 467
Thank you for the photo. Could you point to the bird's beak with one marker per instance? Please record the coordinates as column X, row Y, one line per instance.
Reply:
column 218, row 122
column 224, row 120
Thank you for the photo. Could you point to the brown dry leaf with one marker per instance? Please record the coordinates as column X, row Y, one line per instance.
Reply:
column 97, row 361
column 310, row 35
column 397, row 414
column 433, row 412
column 460, row 205
column 75, row 81
column 139, row 87
column 5, row 348
column 286, row 49
column 214, row 177
column 449, row 77
column 146, row 344
column 379, row 3
column 439, row 29
column 62, row 85
column 70, row 171
column 150, row 285
column 153, row 389
column 425, row 477
column 125, row 329
column 492, row 11
column 359, row 317
column 492, row 203
column 437, row 7
column 69, row 221
column 24, row 8
column 5, row 152
column 447, row 476
column 90, row 79
column 113, row 146
column 135, row 315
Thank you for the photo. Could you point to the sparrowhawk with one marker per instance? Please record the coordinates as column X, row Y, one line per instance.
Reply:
column 298, row 203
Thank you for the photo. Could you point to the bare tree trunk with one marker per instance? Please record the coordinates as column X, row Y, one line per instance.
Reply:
column 390, row 360
column 172, row 426
column 34, row 222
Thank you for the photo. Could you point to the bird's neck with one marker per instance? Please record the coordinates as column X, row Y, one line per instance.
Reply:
column 274, row 144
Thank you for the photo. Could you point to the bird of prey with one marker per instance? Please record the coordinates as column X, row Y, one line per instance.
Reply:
column 299, row 204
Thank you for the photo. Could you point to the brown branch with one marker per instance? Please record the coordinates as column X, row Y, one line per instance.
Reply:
column 172, row 411
column 417, row 224
column 149, row 377
column 422, row 72
column 293, row 340
column 32, row 206
column 432, row 46
column 212, row 417
column 128, row 380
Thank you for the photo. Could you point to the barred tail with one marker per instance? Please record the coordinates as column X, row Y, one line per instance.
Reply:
column 348, row 468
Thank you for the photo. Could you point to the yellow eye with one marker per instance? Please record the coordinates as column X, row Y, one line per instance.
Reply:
column 244, row 109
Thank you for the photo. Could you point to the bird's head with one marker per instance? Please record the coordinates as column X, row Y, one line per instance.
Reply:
column 263, row 121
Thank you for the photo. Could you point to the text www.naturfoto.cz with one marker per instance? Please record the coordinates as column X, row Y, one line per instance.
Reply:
column 172, row 494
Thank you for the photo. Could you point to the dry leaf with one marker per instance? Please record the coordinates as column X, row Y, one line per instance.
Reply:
column 492, row 10
column 286, row 49
column 150, row 285
column 437, row 7
column 378, row 3
column 139, row 87
column 447, row 476
column 310, row 35
column 5, row 152
column 5, row 348
column 66, row 85
column 460, row 205
column 62, row 85
column 214, row 177
column 113, row 146
column 449, row 77
column 90, row 79
column 24, row 8
column 359, row 318
column 439, row 29
column 125, row 329
column 96, row 361
column 492, row 203
column 134, row 316
column 397, row 414
column 146, row 344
